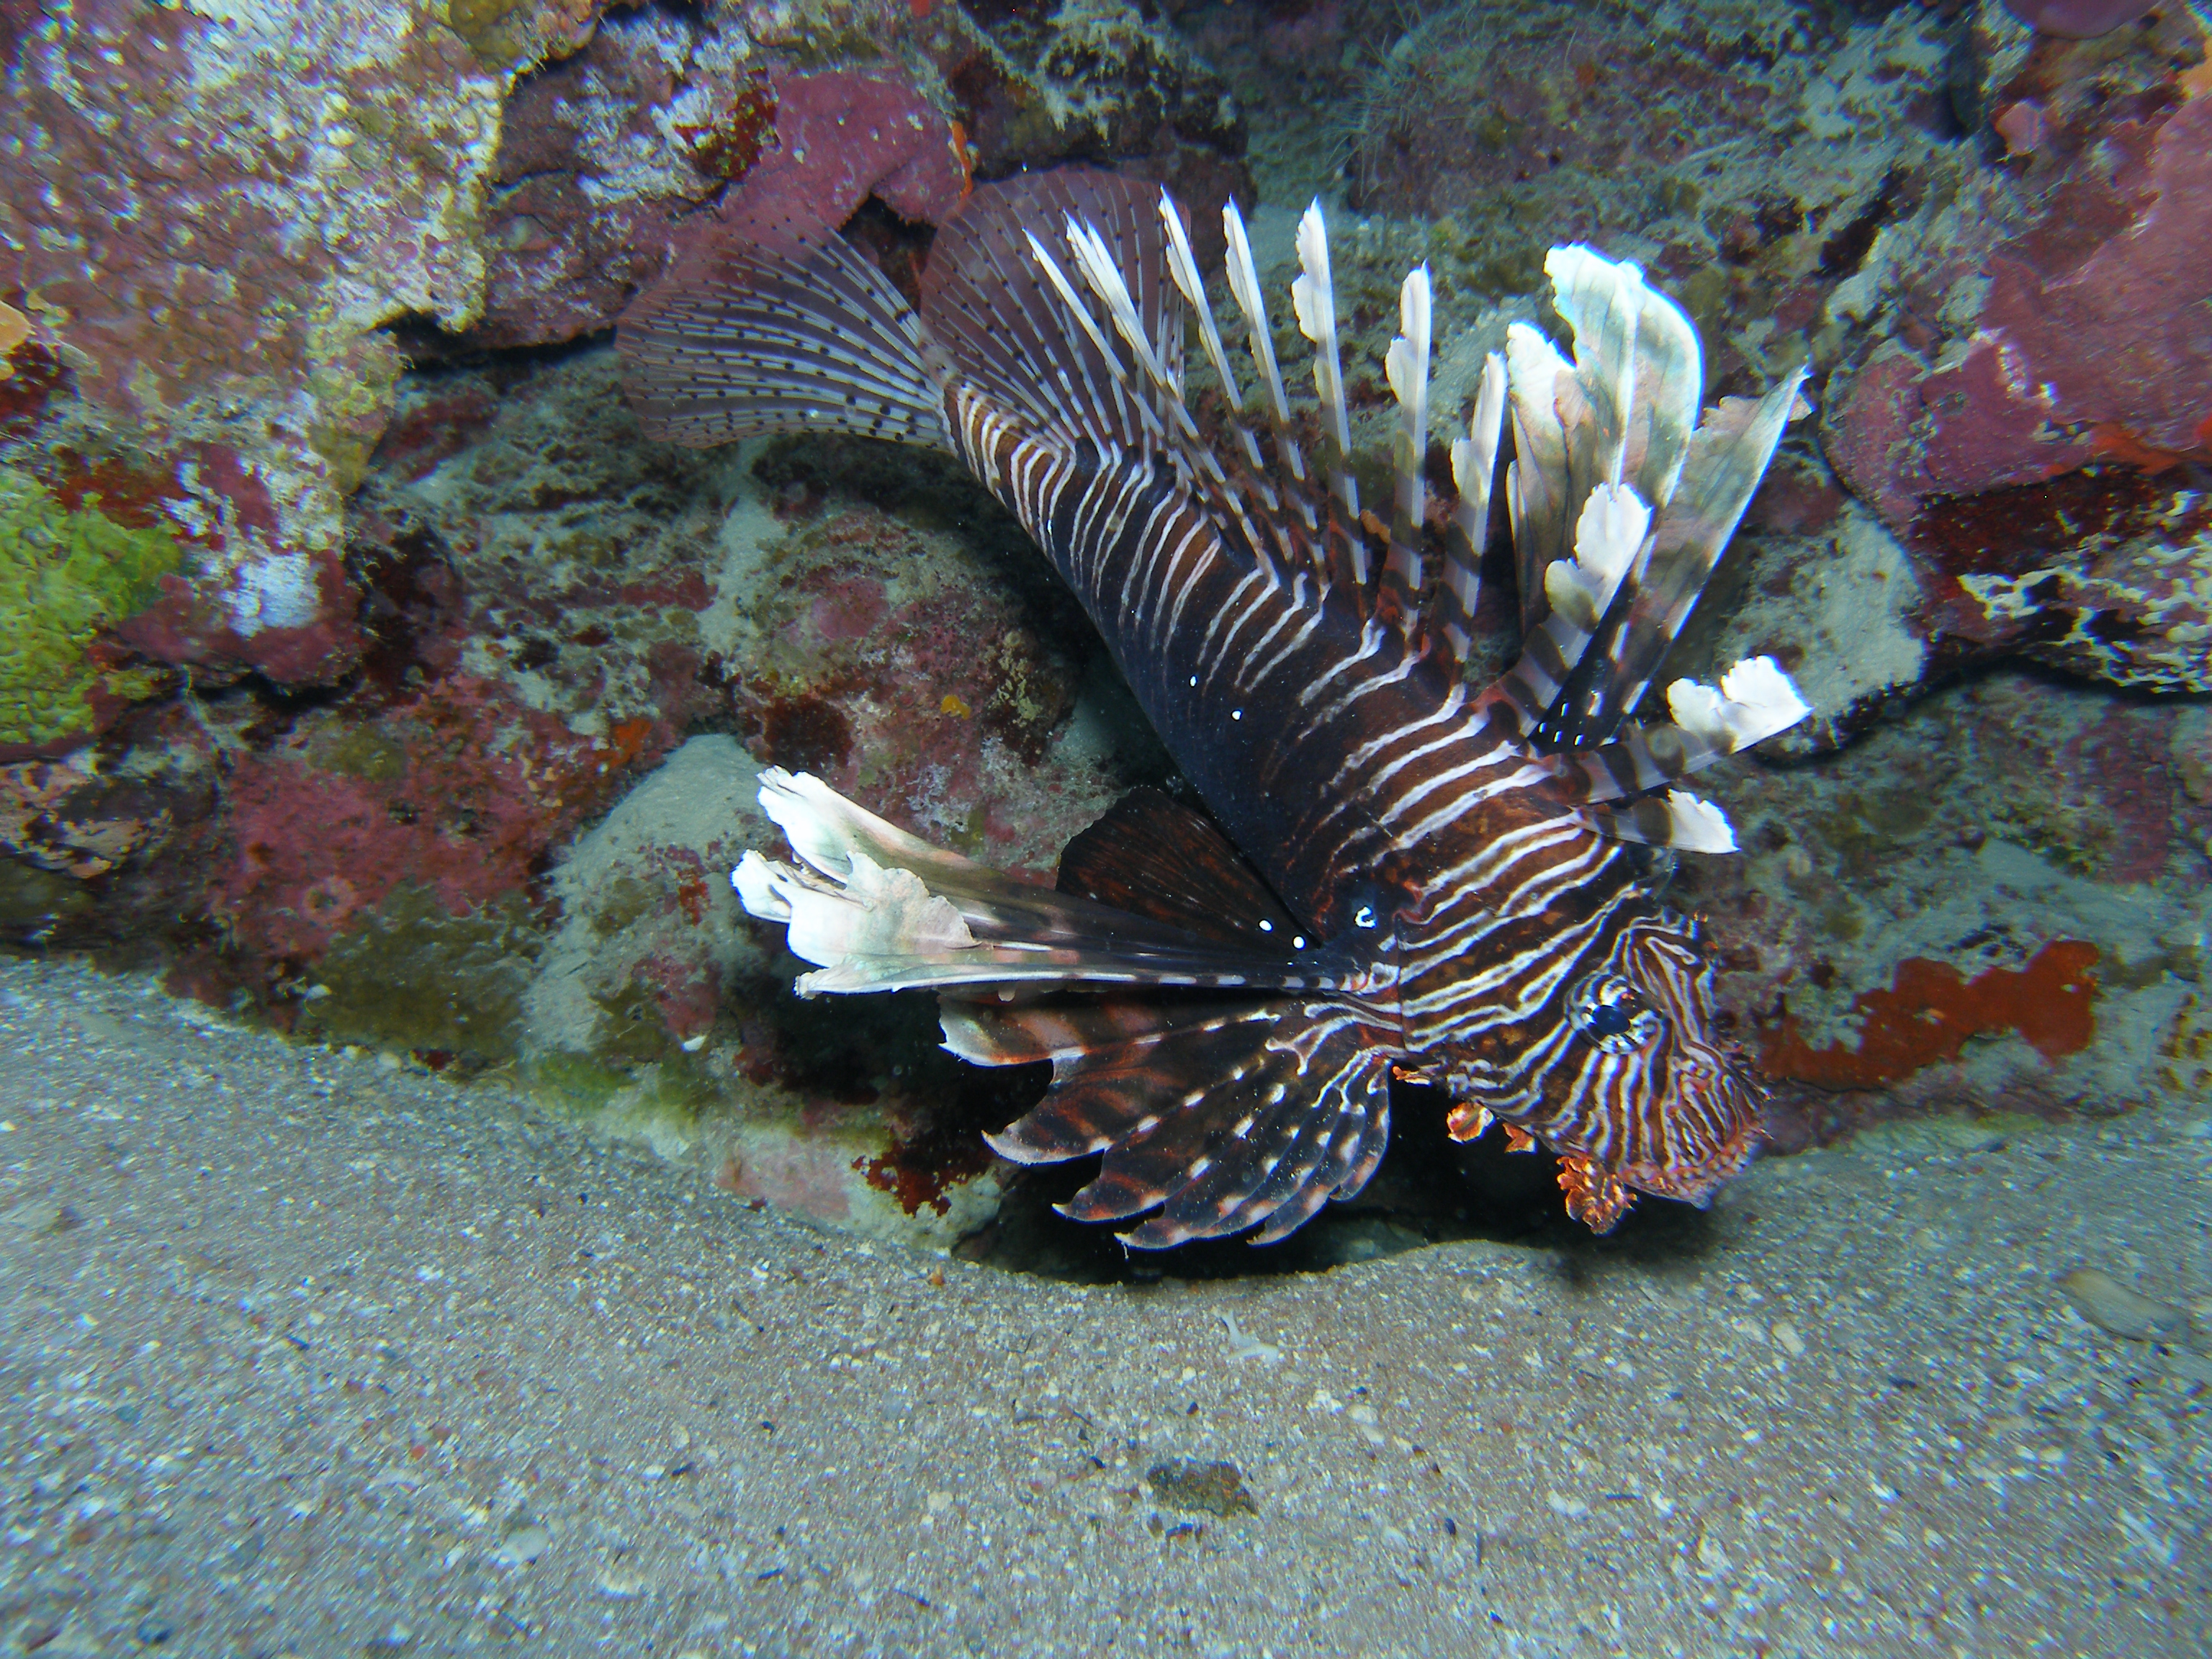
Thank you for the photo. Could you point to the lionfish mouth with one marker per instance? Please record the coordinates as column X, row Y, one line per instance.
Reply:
column 1694, row 1178
column 1709, row 1124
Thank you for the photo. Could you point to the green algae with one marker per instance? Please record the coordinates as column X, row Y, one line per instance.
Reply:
column 65, row 574
column 1201, row 1487
column 501, row 33
column 585, row 1085
column 659, row 1104
column 363, row 752
column 629, row 1028
column 413, row 976
column 625, row 899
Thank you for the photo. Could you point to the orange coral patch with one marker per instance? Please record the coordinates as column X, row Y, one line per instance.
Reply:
column 1930, row 1010
column 966, row 156
column 627, row 740
column 2114, row 442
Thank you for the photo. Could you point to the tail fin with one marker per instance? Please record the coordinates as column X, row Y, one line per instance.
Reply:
column 762, row 328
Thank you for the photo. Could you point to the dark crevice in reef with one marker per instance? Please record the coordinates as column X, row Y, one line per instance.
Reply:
column 428, row 346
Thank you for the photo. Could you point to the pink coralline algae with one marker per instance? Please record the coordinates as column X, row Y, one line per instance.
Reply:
column 459, row 792
column 604, row 157
column 208, row 224
column 2095, row 336
column 2077, row 20
column 878, row 672
column 1475, row 104
column 2045, row 470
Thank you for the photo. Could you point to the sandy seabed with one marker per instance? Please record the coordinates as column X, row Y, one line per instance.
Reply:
column 306, row 1354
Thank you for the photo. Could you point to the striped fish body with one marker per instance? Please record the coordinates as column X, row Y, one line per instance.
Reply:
column 1390, row 809
column 1416, row 875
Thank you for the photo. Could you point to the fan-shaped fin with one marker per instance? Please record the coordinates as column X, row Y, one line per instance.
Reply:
column 1221, row 1117
column 761, row 328
column 1621, row 502
column 878, row 910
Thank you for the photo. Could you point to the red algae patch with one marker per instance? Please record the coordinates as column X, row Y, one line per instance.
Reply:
column 1930, row 1010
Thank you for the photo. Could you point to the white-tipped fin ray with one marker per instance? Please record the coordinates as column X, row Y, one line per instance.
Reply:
column 1755, row 701
column 1679, row 819
column 1607, row 538
column 1474, row 467
column 1407, row 367
column 1244, row 288
column 878, row 910
column 1313, row 295
column 1183, row 267
column 1611, row 448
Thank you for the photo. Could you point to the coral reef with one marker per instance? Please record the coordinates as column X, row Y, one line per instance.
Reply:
column 1995, row 900
column 212, row 288
column 1932, row 1010
column 456, row 792
column 1480, row 107
column 47, row 820
column 604, row 156
column 876, row 653
column 1100, row 80
column 341, row 597
column 668, row 121
column 650, row 1018
column 2027, row 407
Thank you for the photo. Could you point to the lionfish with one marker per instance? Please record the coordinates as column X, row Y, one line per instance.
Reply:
column 1403, row 873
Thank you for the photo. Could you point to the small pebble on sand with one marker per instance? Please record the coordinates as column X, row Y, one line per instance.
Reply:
column 2111, row 1307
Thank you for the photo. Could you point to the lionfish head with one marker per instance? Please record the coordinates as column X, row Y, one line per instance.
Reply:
column 1680, row 1106
column 1641, row 1094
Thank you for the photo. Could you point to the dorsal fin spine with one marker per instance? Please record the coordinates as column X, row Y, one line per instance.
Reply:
column 1679, row 819
column 1076, row 308
column 1251, row 445
column 1474, row 466
column 1313, row 295
column 1407, row 366
column 1184, row 269
column 1094, row 260
column 1626, row 311
column 1100, row 397
column 1244, row 288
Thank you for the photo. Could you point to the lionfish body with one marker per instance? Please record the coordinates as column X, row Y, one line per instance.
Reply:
column 1410, row 874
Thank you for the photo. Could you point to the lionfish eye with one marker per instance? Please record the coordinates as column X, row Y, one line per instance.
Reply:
column 1613, row 1014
